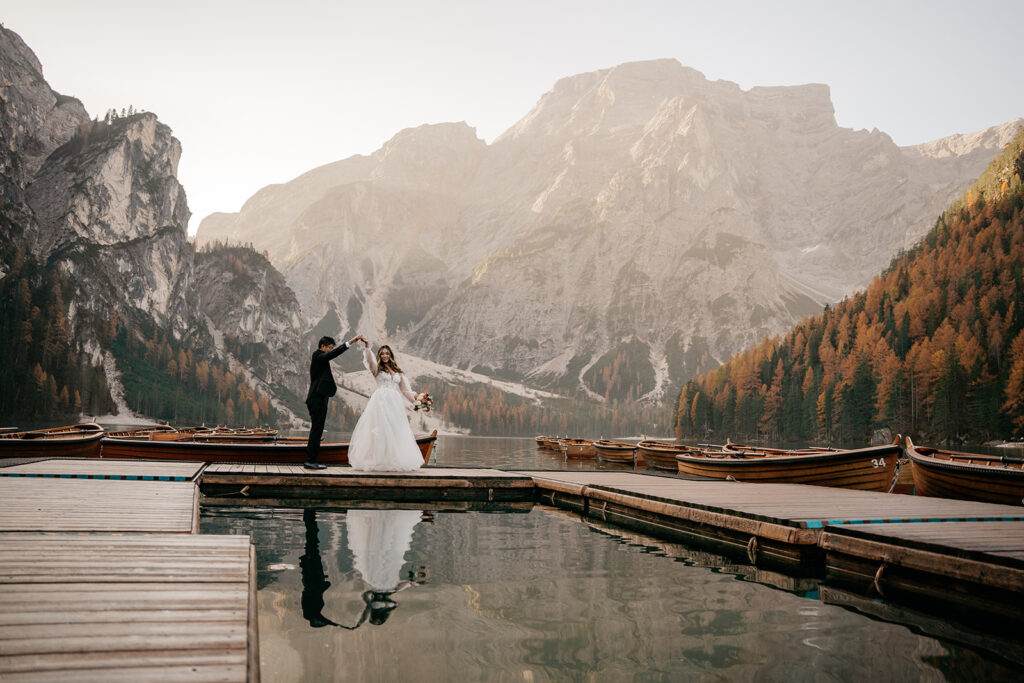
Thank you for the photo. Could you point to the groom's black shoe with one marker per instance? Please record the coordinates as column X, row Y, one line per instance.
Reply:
column 314, row 466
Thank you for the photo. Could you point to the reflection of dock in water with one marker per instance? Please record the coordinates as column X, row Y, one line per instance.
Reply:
column 799, row 585
column 960, row 560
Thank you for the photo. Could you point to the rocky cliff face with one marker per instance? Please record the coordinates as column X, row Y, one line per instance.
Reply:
column 642, row 203
column 34, row 121
column 109, row 209
column 252, row 312
column 100, row 202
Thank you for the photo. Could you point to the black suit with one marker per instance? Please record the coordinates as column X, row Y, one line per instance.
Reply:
column 321, row 388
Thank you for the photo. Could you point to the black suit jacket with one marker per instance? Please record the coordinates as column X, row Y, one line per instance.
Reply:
column 321, row 379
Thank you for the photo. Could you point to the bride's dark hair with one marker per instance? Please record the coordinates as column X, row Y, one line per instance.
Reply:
column 392, row 364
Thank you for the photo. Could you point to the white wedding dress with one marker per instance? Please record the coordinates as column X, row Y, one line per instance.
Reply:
column 382, row 440
column 379, row 540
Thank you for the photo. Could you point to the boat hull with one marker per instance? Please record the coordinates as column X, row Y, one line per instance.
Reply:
column 578, row 450
column 659, row 455
column 867, row 469
column 281, row 452
column 962, row 481
column 74, row 441
column 70, row 447
column 624, row 454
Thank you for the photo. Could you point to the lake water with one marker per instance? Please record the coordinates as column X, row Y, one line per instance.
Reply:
column 545, row 595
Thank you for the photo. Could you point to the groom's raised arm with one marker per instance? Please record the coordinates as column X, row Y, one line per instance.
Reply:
column 337, row 351
column 343, row 347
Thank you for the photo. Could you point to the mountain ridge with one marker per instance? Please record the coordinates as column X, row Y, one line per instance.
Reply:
column 752, row 208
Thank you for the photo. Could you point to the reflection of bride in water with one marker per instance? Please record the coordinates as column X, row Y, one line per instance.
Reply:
column 378, row 540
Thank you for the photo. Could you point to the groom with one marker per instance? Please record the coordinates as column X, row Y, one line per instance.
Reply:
column 321, row 388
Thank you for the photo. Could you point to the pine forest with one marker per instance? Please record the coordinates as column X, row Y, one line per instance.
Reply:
column 933, row 347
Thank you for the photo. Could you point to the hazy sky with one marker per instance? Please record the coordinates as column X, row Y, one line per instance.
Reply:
column 259, row 92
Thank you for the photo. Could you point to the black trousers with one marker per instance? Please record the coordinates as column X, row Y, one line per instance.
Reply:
column 317, row 416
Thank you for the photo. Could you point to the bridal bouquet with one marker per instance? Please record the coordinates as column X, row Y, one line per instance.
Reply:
column 425, row 404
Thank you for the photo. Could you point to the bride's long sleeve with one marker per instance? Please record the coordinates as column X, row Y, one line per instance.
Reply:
column 407, row 390
column 369, row 361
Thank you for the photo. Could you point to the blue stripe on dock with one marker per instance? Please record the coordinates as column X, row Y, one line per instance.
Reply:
column 123, row 477
column 822, row 523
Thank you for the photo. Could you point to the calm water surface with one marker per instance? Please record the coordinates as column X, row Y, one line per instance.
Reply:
column 542, row 594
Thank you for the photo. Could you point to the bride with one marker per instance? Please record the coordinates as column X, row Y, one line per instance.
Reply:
column 382, row 440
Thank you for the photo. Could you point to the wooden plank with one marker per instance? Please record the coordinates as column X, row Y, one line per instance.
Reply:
column 166, row 674
column 96, row 468
column 126, row 607
column 795, row 504
column 100, row 660
column 979, row 571
column 99, row 616
column 253, row 634
column 97, row 505
column 999, row 543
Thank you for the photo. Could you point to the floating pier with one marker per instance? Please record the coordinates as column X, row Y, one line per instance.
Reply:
column 140, row 607
column 104, row 576
column 429, row 484
column 961, row 559
column 127, row 590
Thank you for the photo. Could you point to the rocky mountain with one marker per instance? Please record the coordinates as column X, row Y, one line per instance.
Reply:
column 93, row 211
column 639, row 225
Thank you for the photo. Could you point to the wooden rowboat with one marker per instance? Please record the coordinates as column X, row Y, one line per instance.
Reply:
column 578, row 448
column 615, row 451
column 73, row 441
column 282, row 450
column 553, row 443
column 765, row 450
column 659, row 455
column 967, row 476
column 869, row 469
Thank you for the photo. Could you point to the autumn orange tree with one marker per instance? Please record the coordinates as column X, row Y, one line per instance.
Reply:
column 163, row 378
column 42, row 375
column 933, row 346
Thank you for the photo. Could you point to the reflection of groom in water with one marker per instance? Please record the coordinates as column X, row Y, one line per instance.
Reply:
column 314, row 578
column 321, row 388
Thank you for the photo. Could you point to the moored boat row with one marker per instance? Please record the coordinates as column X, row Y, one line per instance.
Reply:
column 616, row 452
column 162, row 442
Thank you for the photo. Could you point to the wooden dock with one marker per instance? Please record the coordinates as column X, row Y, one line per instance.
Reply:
column 151, row 607
column 974, row 569
column 120, row 587
column 963, row 559
column 430, row 484
column 959, row 559
column 93, row 505
column 128, row 470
